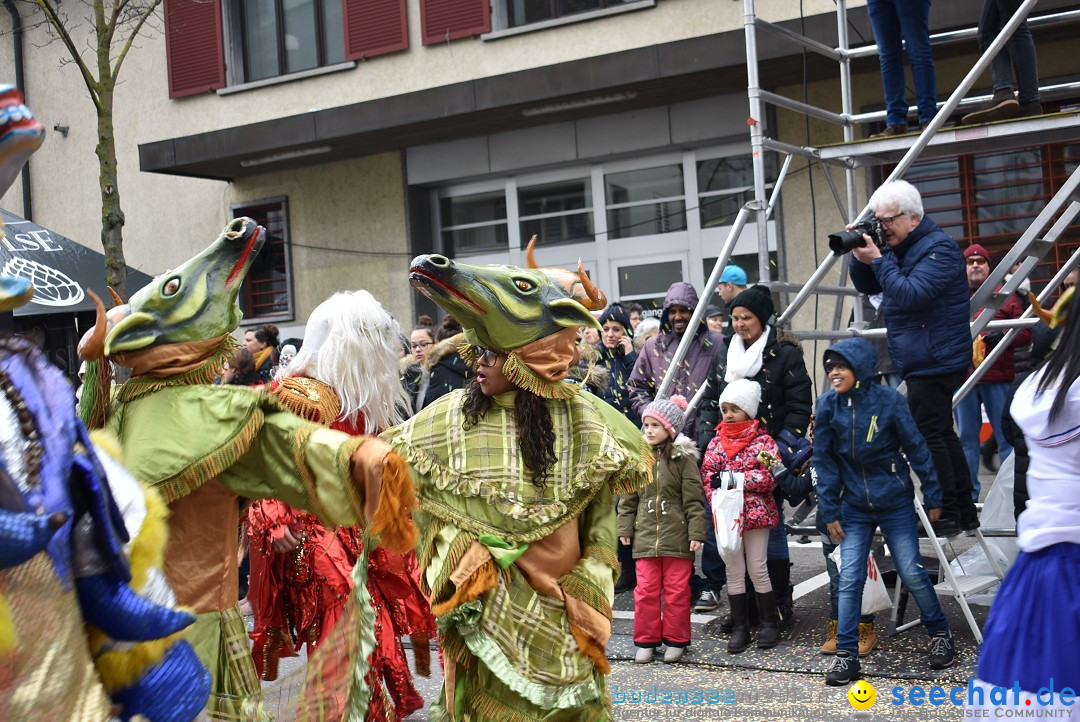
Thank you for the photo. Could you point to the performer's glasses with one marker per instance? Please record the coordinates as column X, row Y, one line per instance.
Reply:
column 487, row 357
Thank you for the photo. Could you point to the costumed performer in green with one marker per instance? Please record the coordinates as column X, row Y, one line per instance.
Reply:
column 204, row 447
column 515, row 477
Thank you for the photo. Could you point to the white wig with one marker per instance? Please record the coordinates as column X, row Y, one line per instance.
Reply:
column 351, row 343
column 900, row 194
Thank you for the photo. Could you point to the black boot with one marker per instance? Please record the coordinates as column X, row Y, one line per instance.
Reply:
column 627, row 572
column 740, row 631
column 768, row 635
column 780, row 578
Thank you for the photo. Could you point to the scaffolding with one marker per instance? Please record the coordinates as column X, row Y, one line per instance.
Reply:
column 850, row 155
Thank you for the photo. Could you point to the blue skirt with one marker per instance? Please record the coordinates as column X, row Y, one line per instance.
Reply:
column 1033, row 632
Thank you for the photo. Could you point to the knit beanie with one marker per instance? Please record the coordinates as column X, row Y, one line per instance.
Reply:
column 976, row 250
column 758, row 301
column 615, row 312
column 669, row 412
column 744, row 393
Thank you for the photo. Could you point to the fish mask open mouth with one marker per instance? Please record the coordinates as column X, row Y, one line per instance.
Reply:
column 195, row 302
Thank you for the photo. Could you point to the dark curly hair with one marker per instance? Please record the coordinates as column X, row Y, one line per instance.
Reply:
column 536, row 433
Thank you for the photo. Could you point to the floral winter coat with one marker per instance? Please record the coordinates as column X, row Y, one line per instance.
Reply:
column 754, row 461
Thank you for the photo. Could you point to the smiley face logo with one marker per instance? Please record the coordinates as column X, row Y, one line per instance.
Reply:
column 862, row 695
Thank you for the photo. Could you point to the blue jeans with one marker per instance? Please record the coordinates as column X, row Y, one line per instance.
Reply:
column 900, row 529
column 894, row 21
column 1018, row 55
column 712, row 565
column 990, row 396
column 778, row 547
column 827, row 548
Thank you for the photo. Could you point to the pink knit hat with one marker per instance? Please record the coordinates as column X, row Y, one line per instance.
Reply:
column 669, row 412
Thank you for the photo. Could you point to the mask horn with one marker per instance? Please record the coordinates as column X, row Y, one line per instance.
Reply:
column 529, row 257
column 92, row 345
column 1044, row 315
column 597, row 300
column 116, row 300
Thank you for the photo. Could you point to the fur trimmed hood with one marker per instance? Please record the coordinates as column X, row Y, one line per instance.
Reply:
column 682, row 446
column 442, row 349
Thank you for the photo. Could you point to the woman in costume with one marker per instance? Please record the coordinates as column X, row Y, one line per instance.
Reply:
column 1033, row 632
column 345, row 377
column 516, row 476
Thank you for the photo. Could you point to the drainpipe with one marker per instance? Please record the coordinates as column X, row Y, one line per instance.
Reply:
column 17, row 49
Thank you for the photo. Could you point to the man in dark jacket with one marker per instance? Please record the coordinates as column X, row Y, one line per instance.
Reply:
column 655, row 357
column 993, row 387
column 863, row 482
column 920, row 274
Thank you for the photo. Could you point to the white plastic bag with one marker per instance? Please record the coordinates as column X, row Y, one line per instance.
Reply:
column 875, row 595
column 727, row 509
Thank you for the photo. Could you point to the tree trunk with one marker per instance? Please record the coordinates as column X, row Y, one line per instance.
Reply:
column 112, row 216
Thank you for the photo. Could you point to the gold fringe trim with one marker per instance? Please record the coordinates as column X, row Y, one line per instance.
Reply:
column 8, row 636
column 97, row 394
column 484, row 578
column 421, row 645
column 210, row 466
column 120, row 669
column 591, row 649
column 603, row 553
column 457, row 550
column 520, row 375
column 579, row 587
column 309, row 399
column 299, row 440
column 487, row 707
column 425, row 545
column 454, row 647
column 638, row 473
column 393, row 523
column 205, row 373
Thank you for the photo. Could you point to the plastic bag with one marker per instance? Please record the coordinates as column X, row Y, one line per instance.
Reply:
column 727, row 508
column 875, row 596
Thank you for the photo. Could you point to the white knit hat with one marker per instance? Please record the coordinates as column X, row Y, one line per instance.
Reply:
column 745, row 394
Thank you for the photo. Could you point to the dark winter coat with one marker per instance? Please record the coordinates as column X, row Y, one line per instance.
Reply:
column 446, row 370
column 1004, row 369
column 668, row 513
column 1021, row 458
column 619, row 367
column 656, row 356
column 787, row 396
column 926, row 301
column 858, row 439
column 759, row 502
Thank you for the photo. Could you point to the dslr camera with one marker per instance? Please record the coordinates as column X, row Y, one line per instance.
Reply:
column 843, row 241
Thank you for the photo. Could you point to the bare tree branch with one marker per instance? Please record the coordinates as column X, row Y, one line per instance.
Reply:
column 146, row 15
column 88, row 78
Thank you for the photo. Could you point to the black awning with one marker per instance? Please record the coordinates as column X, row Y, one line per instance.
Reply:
column 60, row 269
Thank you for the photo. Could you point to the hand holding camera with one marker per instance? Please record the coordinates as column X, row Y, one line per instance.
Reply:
column 855, row 238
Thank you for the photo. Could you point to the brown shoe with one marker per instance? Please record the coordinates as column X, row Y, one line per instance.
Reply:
column 891, row 131
column 867, row 638
column 830, row 644
column 1001, row 107
column 1028, row 110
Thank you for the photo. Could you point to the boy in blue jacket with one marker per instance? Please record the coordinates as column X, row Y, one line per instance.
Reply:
column 863, row 482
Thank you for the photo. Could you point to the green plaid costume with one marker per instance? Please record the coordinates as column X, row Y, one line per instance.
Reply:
column 517, row 660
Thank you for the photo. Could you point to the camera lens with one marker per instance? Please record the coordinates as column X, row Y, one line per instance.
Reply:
column 843, row 241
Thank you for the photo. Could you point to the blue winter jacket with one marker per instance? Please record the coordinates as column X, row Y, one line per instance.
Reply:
column 925, row 303
column 858, row 437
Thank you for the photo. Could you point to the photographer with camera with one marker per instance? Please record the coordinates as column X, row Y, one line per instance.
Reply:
column 919, row 270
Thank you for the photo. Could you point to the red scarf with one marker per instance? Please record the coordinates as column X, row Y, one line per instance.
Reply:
column 736, row 435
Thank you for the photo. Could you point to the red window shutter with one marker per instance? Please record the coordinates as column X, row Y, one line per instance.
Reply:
column 193, row 45
column 444, row 20
column 374, row 27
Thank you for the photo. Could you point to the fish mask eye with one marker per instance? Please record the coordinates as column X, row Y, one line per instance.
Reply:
column 171, row 287
column 524, row 285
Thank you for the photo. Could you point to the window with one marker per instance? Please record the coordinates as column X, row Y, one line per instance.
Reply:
column 278, row 37
column 645, row 202
column 267, row 290
column 556, row 212
column 726, row 184
column 474, row 223
column 524, row 12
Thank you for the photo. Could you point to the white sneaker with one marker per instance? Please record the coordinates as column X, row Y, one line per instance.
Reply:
column 707, row 602
column 674, row 654
column 644, row 655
